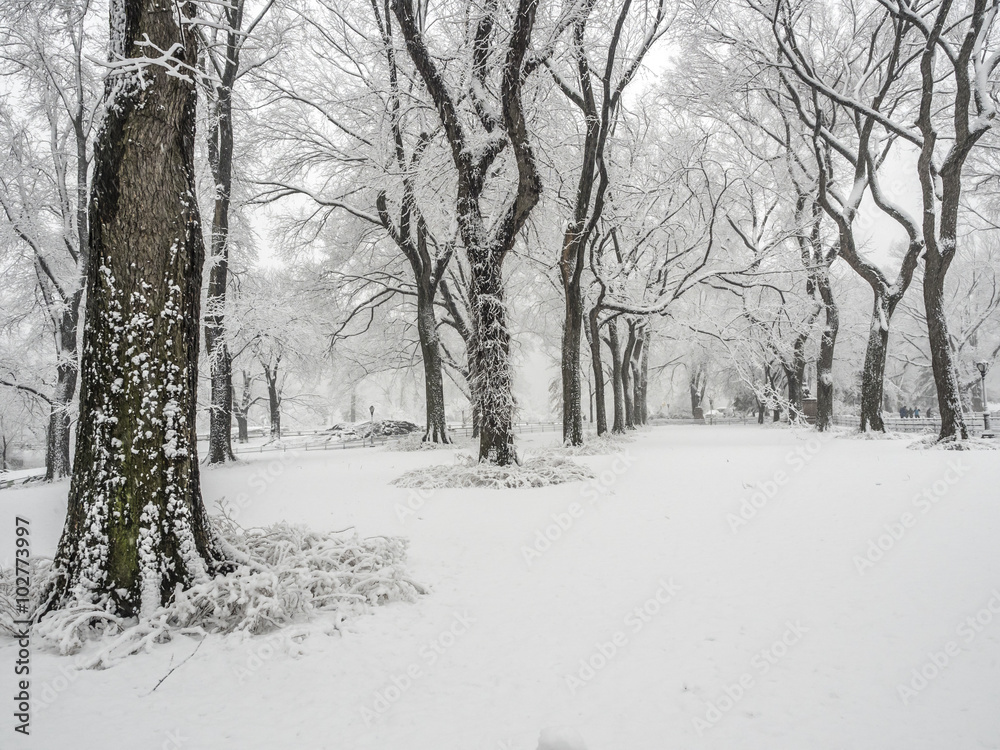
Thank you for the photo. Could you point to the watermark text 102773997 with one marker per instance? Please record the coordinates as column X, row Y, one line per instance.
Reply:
column 22, row 664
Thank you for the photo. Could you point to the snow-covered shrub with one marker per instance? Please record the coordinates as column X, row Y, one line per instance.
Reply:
column 286, row 573
column 854, row 434
column 416, row 442
column 409, row 443
column 931, row 442
column 467, row 472
column 9, row 612
column 592, row 446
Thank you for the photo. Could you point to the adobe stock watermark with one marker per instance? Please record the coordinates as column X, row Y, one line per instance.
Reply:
column 416, row 498
column 894, row 532
column 262, row 477
column 760, row 664
column 264, row 649
column 400, row 682
column 174, row 741
column 593, row 492
column 605, row 651
column 766, row 490
column 938, row 661
column 69, row 673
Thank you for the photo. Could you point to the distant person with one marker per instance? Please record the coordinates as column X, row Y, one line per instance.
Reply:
column 930, row 411
column 909, row 413
column 902, row 412
column 916, row 413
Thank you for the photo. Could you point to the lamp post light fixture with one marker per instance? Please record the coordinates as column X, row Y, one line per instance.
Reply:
column 984, row 367
column 371, row 410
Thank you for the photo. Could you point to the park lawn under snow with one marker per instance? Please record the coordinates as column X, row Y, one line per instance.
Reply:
column 774, row 636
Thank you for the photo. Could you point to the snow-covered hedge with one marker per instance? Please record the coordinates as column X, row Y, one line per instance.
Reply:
column 287, row 573
column 592, row 446
column 534, row 472
column 931, row 442
column 416, row 442
column 853, row 434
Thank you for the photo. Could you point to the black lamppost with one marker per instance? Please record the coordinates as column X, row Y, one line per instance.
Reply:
column 984, row 367
column 371, row 410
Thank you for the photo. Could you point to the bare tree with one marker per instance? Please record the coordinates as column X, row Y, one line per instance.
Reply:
column 928, row 81
column 600, row 108
column 48, row 160
column 358, row 180
column 473, row 157
column 224, row 39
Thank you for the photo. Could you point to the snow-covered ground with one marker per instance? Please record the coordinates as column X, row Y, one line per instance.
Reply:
column 643, row 610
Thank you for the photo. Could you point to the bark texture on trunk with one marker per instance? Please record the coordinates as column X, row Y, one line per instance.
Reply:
column 873, row 371
column 273, row 395
column 572, row 398
column 617, row 386
column 136, row 526
column 827, row 342
column 644, row 382
column 430, row 349
column 949, row 399
column 639, row 356
column 241, row 408
column 597, row 365
column 798, row 371
column 697, row 384
column 626, row 371
column 493, row 371
column 57, row 452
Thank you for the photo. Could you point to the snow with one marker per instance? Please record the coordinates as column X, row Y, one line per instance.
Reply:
column 646, row 623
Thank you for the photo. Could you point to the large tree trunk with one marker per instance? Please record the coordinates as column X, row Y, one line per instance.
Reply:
column 635, row 364
column 274, row 411
column 241, row 409
column 618, row 386
column 220, row 152
column 493, row 372
column 436, row 430
column 597, row 365
column 220, row 424
column 873, row 372
column 572, row 406
column 57, row 453
column 476, row 404
column 626, row 370
column 220, row 416
column 273, row 397
column 642, row 380
column 697, row 384
column 242, row 431
column 796, row 375
column 824, row 365
column 942, row 360
column 136, row 526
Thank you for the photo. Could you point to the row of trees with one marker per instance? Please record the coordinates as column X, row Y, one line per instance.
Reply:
column 431, row 153
column 415, row 158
